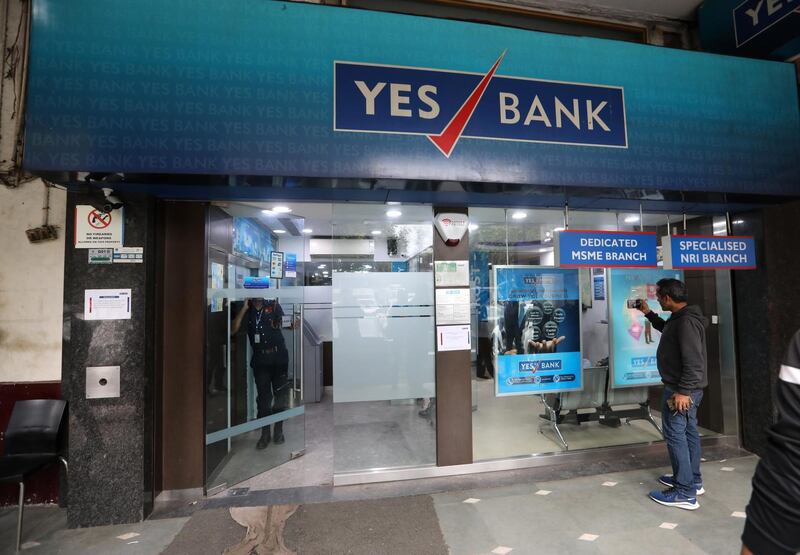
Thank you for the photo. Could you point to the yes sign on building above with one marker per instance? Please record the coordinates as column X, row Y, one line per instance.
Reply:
column 445, row 106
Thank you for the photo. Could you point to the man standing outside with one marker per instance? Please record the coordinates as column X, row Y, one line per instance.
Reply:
column 683, row 367
column 270, row 361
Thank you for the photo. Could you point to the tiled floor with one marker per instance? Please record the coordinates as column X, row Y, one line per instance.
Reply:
column 617, row 519
column 601, row 513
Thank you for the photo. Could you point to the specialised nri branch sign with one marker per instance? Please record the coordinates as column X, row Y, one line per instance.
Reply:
column 446, row 106
column 709, row 252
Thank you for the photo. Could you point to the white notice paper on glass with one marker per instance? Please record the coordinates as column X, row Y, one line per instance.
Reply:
column 453, row 338
column 107, row 304
column 452, row 273
column 452, row 307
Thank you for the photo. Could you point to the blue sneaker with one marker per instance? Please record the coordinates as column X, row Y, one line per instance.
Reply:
column 671, row 498
column 669, row 481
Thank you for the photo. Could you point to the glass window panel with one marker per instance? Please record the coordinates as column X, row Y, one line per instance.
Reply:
column 383, row 337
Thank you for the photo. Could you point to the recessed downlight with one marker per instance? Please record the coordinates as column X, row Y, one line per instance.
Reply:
column 519, row 215
column 393, row 213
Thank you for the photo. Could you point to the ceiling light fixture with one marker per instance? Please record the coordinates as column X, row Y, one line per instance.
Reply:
column 519, row 215
column 559, row 228
column 737, row 222
column 376, row 232
column 394, row 213
column 308, row 231
column 473, row 227
column 280, row 231
column 281, row 209
column 631, row 219
column 268, row 212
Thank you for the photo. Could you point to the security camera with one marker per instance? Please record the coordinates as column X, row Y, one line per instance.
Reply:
column 105, row 203
column 112, row 202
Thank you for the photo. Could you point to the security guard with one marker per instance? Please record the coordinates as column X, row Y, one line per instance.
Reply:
column 270, row 361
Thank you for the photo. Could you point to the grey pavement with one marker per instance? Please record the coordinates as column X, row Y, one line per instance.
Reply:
column 600, row 513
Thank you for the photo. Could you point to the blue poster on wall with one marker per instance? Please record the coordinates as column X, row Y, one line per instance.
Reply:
column 291, row 265
column 633, row 339
column 539, row 323
column 479, row 277
column 599, row 288
column 251, row 240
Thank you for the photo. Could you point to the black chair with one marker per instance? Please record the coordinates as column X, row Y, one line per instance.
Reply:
column 33, row 441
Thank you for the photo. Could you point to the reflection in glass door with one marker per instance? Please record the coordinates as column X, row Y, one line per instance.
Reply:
column 255, row 418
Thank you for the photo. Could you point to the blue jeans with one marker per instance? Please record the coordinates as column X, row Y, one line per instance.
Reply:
column 683, row 443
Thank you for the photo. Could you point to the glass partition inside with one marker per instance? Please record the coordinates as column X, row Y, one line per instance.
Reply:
column 383, row 337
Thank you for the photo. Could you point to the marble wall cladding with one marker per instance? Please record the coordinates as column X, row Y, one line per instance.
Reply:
column 108, row 438
column 766, row 317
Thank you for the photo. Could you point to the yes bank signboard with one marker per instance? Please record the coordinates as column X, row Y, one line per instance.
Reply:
column 295, row 95
column 447, row 106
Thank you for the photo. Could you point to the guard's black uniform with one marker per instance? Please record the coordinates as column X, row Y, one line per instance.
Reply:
column 773, row 515
column 270, row 360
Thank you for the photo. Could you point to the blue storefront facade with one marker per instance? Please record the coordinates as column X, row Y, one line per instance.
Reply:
column 269, row 100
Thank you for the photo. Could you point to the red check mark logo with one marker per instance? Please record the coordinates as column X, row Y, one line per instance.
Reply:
column 447, row 139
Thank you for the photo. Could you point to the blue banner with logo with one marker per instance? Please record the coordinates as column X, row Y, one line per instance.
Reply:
column 761, row 28
column 260, row 87
column 390, row 99
column 634, row 341
column 256, row 282
column 607, row 249
column 709, row 252
column 538, row 333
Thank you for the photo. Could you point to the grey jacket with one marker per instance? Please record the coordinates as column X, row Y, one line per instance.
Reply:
column 682, row 359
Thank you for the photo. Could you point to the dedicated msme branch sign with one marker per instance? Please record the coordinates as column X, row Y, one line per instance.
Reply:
column 606, row 249
column 446, row 106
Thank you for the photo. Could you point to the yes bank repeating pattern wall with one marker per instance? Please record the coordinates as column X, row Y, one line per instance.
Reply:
column 247, row 87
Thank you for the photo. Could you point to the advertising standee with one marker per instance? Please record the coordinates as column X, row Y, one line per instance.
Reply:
column 538, row 331
column 634, row 341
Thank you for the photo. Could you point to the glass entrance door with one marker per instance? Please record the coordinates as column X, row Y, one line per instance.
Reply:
column 255, row 418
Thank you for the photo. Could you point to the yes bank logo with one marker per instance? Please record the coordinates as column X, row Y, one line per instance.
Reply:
column 643, row 362
column 447, row 106
column 537, row 365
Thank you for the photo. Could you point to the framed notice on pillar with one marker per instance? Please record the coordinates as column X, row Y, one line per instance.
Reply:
column 537, row 339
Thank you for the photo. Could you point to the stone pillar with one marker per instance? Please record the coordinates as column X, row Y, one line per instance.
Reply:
column 110, row 440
